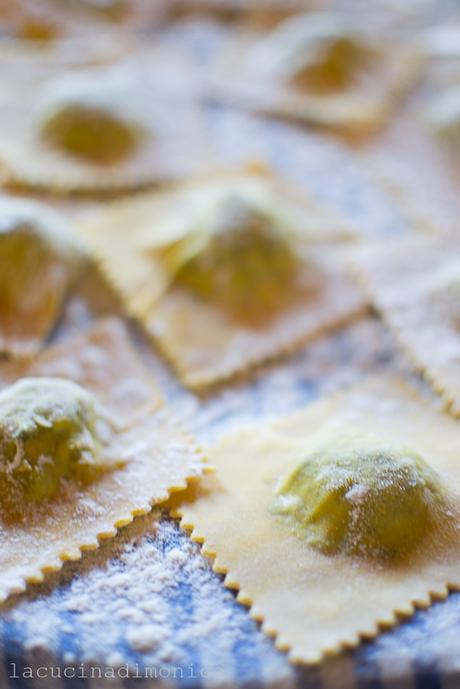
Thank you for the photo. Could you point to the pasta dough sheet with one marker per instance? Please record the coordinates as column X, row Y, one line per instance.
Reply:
column 416, row 286
column 408, row 160
column 316, row 604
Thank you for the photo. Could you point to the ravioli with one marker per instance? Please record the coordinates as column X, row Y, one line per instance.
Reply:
column 50, row 36
column 259, row 12
column 254, row 265
column 114, row 127
column 83, row 452
column 26, row 21
column 39, row 260
column 416, row 286
column 350, row 511
column 57, row 27
column 320, row 69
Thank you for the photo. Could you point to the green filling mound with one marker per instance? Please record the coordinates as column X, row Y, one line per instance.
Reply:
column 246, row 266
column 37, row 29
column 333, row 66
column 91, row 133
column 373, row 505
column 37, row 259
column 50, row 429
column 23, row 255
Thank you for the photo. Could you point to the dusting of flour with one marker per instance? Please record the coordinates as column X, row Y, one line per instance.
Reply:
column 150, row 599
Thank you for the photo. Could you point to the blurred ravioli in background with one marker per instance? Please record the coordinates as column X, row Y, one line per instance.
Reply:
column 112, row 128
column 317, row 68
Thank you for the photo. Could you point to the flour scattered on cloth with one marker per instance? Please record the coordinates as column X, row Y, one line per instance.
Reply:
column 151, row 600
